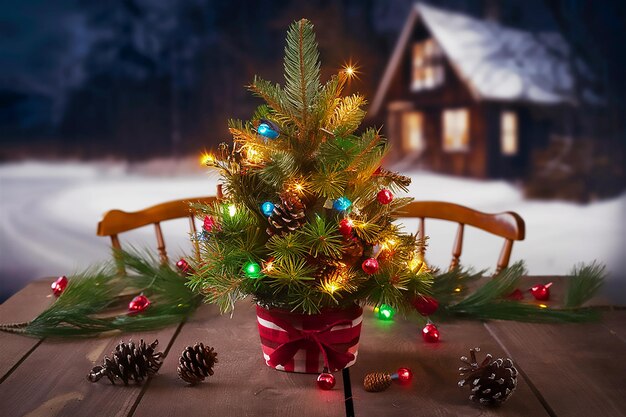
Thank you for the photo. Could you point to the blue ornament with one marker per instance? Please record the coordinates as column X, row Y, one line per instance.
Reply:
column 268, row 129
column 342, row 204
column 267, row 208
column 202, row 236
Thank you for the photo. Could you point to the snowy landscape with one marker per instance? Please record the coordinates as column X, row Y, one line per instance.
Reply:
column 49, row 213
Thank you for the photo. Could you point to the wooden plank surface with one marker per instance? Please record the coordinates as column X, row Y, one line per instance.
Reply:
column 21, row 307
column 615, row 322
column 577, row 368
column 242, row 385
column 386, row 346
column 52, row 381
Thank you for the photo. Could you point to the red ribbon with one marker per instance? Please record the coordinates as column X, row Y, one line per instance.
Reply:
column 324, row 338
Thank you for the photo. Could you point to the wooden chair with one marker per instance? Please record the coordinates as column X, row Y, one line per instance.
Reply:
column 115, row 222
column 508, row 225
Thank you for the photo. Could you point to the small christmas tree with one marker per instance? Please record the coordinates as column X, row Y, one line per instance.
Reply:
column 307, row 218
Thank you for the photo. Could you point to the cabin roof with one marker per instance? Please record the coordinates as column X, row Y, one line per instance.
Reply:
column 496, row 62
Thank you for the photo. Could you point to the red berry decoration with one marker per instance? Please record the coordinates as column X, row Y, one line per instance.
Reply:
column 541, row 292
column 59, row 285
column 326, row 381
column 209, row 224
column 404, row 375
column 138, row 304
column 430, row 333
column 425, row 305
column 370, row 266
column 384, row 196
column 345, row 227
column 184, row 267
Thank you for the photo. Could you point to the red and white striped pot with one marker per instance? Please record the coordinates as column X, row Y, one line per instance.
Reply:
column 308, row 343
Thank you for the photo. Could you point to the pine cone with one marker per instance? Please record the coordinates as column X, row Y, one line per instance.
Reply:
column 492, row 382
column 352, row 251
column 129, row 363
column 377, row 381
column 196, row 363
column 288, row 215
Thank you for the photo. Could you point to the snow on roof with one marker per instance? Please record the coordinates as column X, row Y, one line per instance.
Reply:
column 496, row 62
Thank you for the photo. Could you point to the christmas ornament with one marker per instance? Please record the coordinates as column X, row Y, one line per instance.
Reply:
column 404, row 375
column 541, row 292
column 184, row 267
column 384, row 312
column 209, row 224
column 252, row 270
column 380, row 381
column 129, row 362
column 268, row 129
column 516, row 295
column 138, row 304
column 384, row 196
column 58, row 286
column 288, row 215
column 196, row 363
column 325, row 380
column 491, row 382
column 425, row 305
column 370, row 266
column 342, row 204
column 202, row 236
column 345, row 227
column 267, row 208
column 430, row 333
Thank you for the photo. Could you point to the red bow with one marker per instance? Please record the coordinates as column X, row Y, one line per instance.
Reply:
column 323, row 338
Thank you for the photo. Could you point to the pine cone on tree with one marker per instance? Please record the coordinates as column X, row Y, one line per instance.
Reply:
column 492, row 382
column 377, row 381
column 129, row 362
column 196, row 363
column 288, row 215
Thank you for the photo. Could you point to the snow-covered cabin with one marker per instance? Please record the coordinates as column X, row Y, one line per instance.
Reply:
column 471, row 97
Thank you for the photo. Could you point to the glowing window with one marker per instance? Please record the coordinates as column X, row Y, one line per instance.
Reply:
column 427, row 70
column 509, row 139
column 413, row 131
column 456, row 130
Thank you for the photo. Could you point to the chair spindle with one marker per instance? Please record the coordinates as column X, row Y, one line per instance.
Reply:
column 160, row 243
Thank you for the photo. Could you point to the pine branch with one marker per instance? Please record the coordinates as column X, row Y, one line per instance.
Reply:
column 584, row 284
column 288, row 246
column 348, row 115
column 329, row 182
column 322, row 238
column 302, row 68
column 280, row 167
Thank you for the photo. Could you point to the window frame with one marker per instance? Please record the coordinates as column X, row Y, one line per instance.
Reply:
column 455, row 113
column 509, row 147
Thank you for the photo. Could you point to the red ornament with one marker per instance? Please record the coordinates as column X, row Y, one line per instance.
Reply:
column 345, row 227
column 425, row 305
column 184, row 267
column 138, row 304
column 404, row 375
column 430, row 333
column 541, row 292
column 326, row 381
column 384, row 196
column 370, row 266
column 516, row 295
column 378, row 171
column 209, row 223
column 59, row 285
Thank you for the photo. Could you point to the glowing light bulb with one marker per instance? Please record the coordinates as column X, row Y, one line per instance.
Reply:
column 252, row 270
column 207, row 158
column 232, row 210
column 267, row 208
column 385, row 312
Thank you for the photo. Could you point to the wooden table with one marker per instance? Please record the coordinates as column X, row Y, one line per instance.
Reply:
column 566, row 370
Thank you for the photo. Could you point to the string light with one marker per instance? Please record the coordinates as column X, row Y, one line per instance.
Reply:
column 253, row 155
column 232, row 210
column 207, row 158
column 351, row 70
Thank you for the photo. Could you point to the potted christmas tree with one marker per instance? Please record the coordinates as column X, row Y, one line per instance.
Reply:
column 305, row 224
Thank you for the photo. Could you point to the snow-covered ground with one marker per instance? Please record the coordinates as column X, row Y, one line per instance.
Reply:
column 49, row 212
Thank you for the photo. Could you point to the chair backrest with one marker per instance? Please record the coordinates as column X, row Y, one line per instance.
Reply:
column 115, row 222
column 508, row 225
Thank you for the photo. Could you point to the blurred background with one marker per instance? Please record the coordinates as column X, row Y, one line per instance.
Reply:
column 498, row 105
